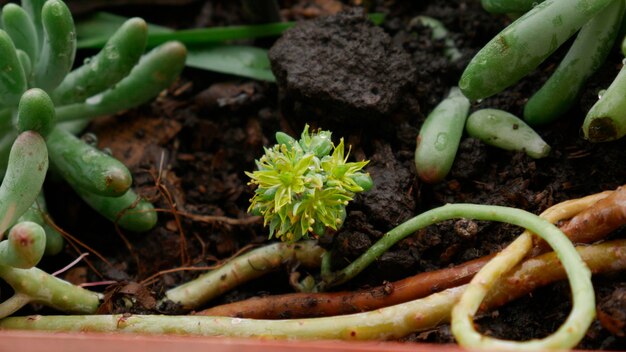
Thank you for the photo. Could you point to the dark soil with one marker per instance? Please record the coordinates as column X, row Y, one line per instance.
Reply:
column 207, row 130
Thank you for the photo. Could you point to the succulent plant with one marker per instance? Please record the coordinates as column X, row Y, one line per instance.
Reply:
column 39, row 92
column 303, row 186
column 522, row 46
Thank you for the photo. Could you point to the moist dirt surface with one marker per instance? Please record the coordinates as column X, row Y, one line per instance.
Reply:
column 188, row 151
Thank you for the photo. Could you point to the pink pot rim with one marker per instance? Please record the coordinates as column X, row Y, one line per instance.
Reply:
column 24, row 341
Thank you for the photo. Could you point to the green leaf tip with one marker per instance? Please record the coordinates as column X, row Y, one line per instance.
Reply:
column 25, row 246
column 35, row 112
column 303, row 186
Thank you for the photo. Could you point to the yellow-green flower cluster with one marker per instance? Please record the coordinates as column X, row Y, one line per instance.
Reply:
column 303, row 186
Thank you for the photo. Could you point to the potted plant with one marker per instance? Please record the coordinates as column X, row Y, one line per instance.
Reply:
column 371, row 245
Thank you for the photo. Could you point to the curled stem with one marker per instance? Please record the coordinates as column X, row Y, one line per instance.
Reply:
column 583, row 310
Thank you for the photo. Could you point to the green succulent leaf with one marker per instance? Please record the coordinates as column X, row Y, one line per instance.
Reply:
column 114, row 62
column 20, row 27
column 59, row 45
column 35, row 112
column 33, row 9
column 12, row 77
column 303, row 186
column 238, row 60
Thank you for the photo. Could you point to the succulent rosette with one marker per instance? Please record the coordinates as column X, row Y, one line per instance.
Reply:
column 304, row 186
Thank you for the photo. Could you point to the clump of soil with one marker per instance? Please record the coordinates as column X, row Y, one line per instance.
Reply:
column 342, row 68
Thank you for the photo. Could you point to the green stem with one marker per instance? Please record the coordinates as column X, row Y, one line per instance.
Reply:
column 50, row 291
column 326, row 265
column 433, row 216
column 241, row 269
column 386, row 323
column 13, row 304
column 74, row 127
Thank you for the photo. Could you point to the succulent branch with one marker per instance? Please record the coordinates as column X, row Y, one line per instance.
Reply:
column 256, row 263
column 522, row 46
column 36, row 286
column 37, row 51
